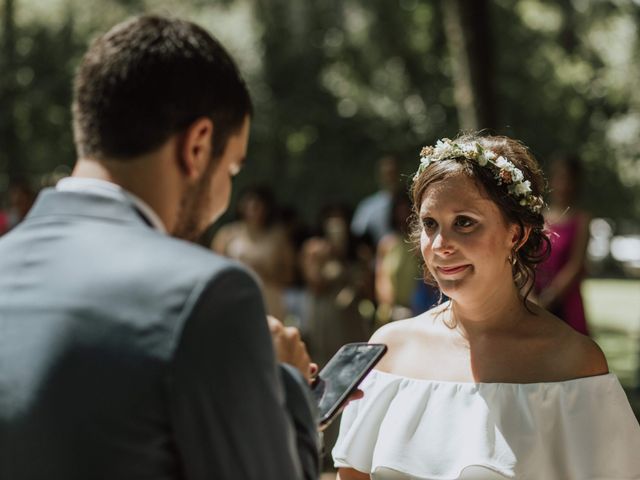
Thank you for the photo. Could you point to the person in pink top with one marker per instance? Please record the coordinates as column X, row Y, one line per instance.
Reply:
column 559, row 278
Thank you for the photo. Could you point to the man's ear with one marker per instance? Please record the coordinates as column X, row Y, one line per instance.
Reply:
column 194, row 151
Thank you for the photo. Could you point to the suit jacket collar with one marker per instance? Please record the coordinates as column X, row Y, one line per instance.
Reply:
column 53, row 203
column 110, row 189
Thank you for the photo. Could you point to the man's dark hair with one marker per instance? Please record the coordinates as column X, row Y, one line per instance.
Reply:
column 149, row 78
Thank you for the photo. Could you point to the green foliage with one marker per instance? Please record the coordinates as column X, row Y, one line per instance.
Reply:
column 339, row 83
column 561, row 90
column 36, row 97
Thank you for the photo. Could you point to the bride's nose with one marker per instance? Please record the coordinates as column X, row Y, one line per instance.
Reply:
column 442, row 243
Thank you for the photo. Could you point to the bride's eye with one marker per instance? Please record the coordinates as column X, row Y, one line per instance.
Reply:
column 429, row 223
column 464, row 222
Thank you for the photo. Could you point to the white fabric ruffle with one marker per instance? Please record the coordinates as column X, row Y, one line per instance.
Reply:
column 582, row 429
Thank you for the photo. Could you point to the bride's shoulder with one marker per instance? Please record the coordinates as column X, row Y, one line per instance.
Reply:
column 584, row 356
column 400, row 330
column 580, row 355
column 391, row 333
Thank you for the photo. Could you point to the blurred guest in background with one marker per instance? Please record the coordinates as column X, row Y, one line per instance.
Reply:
column 294, row 225
column 295, row 294
column 426, row 296
column 558, row 279
column 397, row 266
column 337, row 279
column 339, row 282
column 20, row 198
column 261, row 243
column 372, row 215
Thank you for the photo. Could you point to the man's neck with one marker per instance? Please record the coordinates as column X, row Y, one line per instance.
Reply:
column 145, row 177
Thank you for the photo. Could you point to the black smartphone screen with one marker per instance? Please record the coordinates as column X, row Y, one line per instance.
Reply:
column 341, row 376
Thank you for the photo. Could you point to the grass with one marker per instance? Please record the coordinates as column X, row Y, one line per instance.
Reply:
column 613, row 303
column 613, row 313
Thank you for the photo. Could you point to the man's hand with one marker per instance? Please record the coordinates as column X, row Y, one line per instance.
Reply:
column 290, row 348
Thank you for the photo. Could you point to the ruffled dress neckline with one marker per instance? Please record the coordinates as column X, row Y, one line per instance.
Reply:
column 477, row 384
column 409, row 428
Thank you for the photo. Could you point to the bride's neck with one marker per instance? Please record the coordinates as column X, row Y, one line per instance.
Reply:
column 490, row 314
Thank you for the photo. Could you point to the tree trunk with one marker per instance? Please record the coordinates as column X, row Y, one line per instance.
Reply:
column 9, row 148
column 466, row 24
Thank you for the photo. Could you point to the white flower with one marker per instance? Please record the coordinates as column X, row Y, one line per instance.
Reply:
column 441, row 148
column 470, row 151
column 511, row 168
column 517, row 175
column 502, row 162
column 425, row 161
column 467, row 148
column 489, row 155
column 482, row 159
column 522, row 188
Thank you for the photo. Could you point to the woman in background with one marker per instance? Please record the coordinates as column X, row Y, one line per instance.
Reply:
column 397, row 267
column 256, row 240
column 337, row 280
column 559, row 278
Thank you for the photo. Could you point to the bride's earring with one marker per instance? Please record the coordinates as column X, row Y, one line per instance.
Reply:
column 513, row 257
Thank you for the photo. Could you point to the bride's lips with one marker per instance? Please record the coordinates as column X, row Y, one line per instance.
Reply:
column 452, row 270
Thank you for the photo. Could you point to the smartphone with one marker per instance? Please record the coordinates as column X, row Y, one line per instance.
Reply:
column 341, row 376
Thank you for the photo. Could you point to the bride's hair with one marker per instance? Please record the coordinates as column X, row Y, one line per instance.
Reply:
column 537, row 246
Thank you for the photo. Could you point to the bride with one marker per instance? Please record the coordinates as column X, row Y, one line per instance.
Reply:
column 488, row 385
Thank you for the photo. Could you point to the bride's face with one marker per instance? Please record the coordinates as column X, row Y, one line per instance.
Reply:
column 465, row 240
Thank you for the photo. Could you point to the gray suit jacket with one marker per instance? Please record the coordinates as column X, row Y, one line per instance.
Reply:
column 127, row 354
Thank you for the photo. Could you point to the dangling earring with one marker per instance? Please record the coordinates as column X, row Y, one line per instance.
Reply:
column 513, row 256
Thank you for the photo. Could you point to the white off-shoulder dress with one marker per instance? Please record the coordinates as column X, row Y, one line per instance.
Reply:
column 411, row 429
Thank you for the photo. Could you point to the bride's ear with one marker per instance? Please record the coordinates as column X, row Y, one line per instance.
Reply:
column 520, row 236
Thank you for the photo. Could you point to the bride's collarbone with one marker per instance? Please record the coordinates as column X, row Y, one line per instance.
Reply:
column 445, row 355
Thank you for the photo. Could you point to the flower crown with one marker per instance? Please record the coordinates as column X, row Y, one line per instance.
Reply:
column 505, row 172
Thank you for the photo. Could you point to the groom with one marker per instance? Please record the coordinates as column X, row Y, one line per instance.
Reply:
column 124, row 351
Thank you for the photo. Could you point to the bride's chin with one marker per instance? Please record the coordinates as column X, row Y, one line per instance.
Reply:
column 452, row 288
